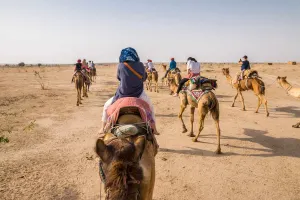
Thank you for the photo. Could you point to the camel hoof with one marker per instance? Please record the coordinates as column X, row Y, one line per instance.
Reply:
column 218, row 151
column 232, row 105
column 244, row 109
column 191, row 135
column 194, row 140
column 268, row 114
column 77, row 104
column 184, row 130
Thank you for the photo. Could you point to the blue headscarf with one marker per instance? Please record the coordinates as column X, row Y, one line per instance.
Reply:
column 129, row 54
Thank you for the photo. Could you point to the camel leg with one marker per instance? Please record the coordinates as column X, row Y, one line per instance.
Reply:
column 192, row 122
column 265, row 102
column 259, row 104
column 237, row 94
column 242, row 100
column 201, row 125
column 182, row 108
column 218, row 151
column 78, row 96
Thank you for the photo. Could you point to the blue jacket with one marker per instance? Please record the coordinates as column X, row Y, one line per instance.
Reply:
column 245, row 65
column 172, row 65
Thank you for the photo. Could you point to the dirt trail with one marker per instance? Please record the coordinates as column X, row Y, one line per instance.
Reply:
column 56, row 160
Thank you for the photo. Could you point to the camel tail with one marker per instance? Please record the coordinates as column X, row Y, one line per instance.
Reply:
column 213, row 105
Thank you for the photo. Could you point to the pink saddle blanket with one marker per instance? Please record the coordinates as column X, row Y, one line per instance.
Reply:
column 113, row 111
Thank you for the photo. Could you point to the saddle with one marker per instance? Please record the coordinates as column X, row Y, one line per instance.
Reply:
column 174, row 71
column 249, row 73
column 128, row 117
column 201, row 83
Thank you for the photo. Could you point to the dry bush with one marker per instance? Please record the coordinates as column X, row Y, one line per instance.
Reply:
column 40, row 79
column 4, row 139
column 30, row 126
column 21, row 64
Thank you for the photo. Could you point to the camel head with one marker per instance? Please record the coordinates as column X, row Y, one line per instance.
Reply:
column 225, row 71
column 120, row 166
column 281, row 79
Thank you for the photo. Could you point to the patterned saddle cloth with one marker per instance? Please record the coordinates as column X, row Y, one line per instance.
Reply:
column 196, row 94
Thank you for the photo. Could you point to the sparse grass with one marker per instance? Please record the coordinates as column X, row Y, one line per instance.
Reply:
column 30, row 126
column 8, row 129
column 4, row 139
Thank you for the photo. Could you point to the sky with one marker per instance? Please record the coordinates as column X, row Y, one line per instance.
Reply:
column 61, row 31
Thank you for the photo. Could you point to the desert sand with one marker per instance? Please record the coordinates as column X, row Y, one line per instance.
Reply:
column 50, row 153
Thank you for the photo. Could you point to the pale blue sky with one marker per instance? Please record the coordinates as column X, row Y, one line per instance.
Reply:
column 60, row 31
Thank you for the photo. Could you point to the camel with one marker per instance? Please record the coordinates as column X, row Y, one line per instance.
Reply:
column 78, row 79
column 152, row 77
column 207, row 103
column 295, row 92
column 128, row 164
column 254, row 84
column 174, row 76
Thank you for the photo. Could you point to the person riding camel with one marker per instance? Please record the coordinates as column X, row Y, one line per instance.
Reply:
column 150, row 66
column 77, row 68
column 193, row 69
column 173, row 66
column 85, row 66
column 90, row 65
column 131, row 74
column 245, row 66
column 93, row 65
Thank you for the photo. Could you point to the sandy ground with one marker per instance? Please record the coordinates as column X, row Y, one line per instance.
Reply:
column 50, row 154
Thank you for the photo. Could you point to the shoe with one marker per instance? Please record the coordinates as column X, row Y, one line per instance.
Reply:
column 175, row 95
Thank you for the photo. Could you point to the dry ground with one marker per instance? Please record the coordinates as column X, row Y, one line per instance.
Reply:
column 50, row 153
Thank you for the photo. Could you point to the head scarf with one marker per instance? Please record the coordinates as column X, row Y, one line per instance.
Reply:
column 79, row 61
column 129, row 54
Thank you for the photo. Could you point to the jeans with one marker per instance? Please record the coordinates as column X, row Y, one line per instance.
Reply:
column 181, row 83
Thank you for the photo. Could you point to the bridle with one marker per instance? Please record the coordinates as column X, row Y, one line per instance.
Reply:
column 103, row 178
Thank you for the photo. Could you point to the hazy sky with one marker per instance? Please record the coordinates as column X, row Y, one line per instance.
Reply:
column 60, row 31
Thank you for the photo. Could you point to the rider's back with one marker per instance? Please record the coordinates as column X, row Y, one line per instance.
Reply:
column 130, row 84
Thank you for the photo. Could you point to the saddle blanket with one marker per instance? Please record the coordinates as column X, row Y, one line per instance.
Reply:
column 196, row 94
column 143, row 107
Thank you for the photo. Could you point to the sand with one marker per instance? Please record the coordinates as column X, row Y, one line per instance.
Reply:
column 50, row 154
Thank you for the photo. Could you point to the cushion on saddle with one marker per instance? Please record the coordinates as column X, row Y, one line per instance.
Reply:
column 143, row 107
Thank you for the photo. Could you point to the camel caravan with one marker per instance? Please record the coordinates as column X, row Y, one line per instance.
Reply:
column 127, row 143
column 85, row 74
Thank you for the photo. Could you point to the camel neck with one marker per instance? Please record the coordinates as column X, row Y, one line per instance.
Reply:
column 229, row 79
column 286, row 86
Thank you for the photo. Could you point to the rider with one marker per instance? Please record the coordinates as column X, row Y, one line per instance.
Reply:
column 150, row 66
column 173, row 65
column 245, row 66
column 193, row 69
column 93, row 65
column 130, row 84
column 77, row 68
column 90, row 65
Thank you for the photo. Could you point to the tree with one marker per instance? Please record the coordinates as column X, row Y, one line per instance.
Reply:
column 21, row 64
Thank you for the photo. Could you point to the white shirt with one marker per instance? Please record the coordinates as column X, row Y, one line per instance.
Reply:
column 90, row 65
column 193, row 66
column 150, row 65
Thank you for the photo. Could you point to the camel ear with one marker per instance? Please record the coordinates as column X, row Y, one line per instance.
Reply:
column 101, row 150
column 139, row 144
column 284, row 77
